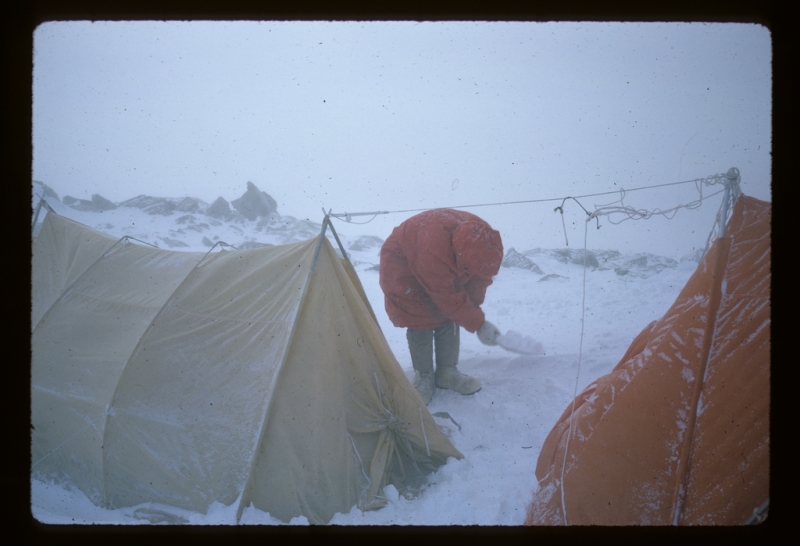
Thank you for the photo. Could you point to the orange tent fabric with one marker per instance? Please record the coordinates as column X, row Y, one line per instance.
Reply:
column 678, row 432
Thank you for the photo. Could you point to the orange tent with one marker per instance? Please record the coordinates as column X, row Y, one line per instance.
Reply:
column 678, row 432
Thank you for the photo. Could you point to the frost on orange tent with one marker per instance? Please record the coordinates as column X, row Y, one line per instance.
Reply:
column 678, row 432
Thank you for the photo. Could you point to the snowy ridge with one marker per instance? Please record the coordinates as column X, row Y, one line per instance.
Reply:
column 185, row 223
column 252, row 220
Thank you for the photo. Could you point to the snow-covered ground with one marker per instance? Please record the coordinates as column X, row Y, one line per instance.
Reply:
column 500, row 429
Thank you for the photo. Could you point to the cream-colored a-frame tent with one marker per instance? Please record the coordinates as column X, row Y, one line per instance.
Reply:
column 252, row 377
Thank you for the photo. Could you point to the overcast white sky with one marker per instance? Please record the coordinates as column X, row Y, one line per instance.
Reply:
column 366, row 116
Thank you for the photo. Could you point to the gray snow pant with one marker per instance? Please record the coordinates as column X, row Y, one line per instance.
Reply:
column 446, row 340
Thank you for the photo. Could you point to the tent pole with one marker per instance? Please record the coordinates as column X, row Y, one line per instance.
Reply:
column 347, row 259
column 724, row 216
column 325, row 222
column 67, row 289
column 339, row 242
column 36, row 214
column 38, row 210
column 731, row 195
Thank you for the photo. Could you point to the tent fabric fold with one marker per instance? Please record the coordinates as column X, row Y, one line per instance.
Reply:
column 241, row 377
column 678, row 432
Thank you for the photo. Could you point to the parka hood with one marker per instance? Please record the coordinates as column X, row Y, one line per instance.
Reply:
column 478, row 249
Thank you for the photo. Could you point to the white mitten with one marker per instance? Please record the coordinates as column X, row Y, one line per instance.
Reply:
column 488, row 333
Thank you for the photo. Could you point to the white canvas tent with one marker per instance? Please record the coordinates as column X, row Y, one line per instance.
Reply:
column 252, row 377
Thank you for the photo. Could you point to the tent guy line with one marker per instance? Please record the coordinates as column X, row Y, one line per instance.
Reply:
column 708, row 180
column 731, row 180
column 580, row 359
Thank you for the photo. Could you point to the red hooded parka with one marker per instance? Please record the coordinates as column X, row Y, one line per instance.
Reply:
column 435, row 268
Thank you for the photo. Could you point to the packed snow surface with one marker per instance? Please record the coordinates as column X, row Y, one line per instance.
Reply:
column 499, row 429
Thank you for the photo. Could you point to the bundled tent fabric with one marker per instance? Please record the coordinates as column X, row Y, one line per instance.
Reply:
column 678, row 432
column 252, row 377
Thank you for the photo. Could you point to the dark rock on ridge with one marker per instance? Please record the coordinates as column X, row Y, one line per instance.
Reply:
column 515, row 259
column 97, row 204
column 219, row 209
column 165, row 206
column 575, row 256
column 191, row 204
column 151, row 205
column 255, row 203
column 644, row 265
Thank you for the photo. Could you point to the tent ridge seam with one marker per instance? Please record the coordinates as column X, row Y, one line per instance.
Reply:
column 242, row 500
column 715, row 300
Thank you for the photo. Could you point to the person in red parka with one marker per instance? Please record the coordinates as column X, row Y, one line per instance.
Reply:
column 434, row 271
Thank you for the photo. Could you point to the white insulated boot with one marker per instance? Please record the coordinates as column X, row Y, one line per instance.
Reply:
column 447, row 349
column 450, row 378
column 424, row 383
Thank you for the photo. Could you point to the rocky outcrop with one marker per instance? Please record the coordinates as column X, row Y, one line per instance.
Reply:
column 151, row 205
column 165, row 206
column 515, row 259
column 219, row 209
column 575, row 256
column 97, row 204
column 191, row 204
column 644, row 265
column 255, row 203
column 174, row 243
